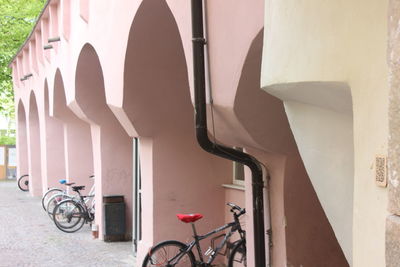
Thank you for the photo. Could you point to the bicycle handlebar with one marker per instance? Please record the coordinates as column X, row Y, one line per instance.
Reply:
column 236, row 207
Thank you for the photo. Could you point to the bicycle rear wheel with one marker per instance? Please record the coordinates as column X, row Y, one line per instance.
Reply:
column 53, row 201
column 165, row 253
column 68, row 216
column 23, row 182
column 51, row 192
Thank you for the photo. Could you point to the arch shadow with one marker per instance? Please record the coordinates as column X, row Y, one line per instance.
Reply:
column 112, row 147
column 22, row 144
column 293, row 197
column 176, row 172
column 55, row 152
column 35, row 155
column 78, row 151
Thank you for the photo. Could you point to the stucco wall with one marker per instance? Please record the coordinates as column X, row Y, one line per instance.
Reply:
column 22, row 143
column 312, row 41
column 393, row 221
column 325, row 141
column 338, row 43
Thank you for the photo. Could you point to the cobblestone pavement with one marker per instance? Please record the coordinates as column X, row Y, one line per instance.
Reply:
column 29, row 238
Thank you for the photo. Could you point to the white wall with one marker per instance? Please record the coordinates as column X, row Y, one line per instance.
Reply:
column 325, row 141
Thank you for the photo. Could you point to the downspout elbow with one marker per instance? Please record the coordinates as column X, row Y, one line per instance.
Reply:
column 220, row 150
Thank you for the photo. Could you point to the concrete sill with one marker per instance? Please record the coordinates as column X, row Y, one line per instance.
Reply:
column 234, row 186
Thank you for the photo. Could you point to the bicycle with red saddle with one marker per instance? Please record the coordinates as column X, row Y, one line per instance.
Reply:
column 172, row 253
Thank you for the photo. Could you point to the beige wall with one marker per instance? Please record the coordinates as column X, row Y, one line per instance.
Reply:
column 325, row 141
column 393, row 221
column 313, row 51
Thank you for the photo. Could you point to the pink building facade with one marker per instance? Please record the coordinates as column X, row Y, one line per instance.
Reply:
column 122, row 71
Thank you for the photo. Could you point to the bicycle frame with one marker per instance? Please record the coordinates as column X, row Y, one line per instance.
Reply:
column 83, row 202
column 89, row 197
column 235, row 226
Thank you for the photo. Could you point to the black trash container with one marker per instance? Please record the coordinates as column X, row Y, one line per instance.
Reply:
column 114, row 227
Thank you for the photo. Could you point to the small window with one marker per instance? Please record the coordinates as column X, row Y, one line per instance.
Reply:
column 238, row 171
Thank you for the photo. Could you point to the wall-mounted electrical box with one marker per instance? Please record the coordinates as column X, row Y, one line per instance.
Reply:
column 381, row 170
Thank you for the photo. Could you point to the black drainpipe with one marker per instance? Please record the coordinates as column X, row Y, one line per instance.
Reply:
column 220, row 150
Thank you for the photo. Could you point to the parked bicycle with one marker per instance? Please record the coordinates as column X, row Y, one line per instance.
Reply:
column 23, row 182
column 71, row 214
column 54, row 191
column 57, row 197
column 172, row 253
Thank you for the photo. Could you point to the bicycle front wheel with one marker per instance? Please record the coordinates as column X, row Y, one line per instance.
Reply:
column 169, row 253
column 23, row 182
column 68, row 216
column 51, row 192
column 238, row 255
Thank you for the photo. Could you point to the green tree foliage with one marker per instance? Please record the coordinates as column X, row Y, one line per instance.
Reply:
column 17, row 17
column 7, row 140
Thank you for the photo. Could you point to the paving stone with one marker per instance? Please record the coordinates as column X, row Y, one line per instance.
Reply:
column 29, row 238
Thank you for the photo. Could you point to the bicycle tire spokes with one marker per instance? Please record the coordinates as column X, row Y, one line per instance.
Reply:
column 23, row 183
column 69, row 216
column 66, row 213
column 168, row 256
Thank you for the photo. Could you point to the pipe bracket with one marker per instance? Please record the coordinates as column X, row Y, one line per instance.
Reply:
column 199, row 40
column 269, row 233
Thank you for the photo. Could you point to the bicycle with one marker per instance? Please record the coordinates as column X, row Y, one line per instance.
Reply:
column 23, row 182
column 60, row 196
column 54, row 191
column 172, row 253
column 69, row 215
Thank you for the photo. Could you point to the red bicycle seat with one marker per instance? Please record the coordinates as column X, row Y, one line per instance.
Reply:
column 187, row 218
